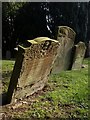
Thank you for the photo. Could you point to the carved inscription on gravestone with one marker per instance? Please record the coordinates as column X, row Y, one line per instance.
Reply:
column 66, row 36
column 79, row 53
column 32, row 67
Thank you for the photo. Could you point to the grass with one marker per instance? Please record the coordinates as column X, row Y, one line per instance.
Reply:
column 7, row 68
column 65, row 95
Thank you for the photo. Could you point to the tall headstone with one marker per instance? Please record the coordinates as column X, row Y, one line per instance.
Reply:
column 66, row 36
column 78, row 55
column 32, row 67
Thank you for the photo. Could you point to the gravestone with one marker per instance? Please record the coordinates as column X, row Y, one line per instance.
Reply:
column 89, row 48
column 66, row 36
column 78, row 55
column 32, row 67
column 8, row 54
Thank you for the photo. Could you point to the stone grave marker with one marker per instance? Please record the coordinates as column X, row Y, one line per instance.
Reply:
column 66, row 36
column 78, row 55
column 8, row 54
column 89, row 49
column 32, row 67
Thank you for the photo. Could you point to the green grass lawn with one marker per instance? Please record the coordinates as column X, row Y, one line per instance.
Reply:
column 65, row 95
column 7, row 68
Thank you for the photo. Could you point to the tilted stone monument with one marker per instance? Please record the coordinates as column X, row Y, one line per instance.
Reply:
column 66, row 36
column 32, row 67
column 78, row 55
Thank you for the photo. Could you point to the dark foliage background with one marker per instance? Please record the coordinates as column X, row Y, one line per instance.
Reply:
column 22, row 21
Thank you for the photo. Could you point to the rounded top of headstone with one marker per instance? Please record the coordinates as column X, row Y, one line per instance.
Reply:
column 67, row 31
column 81, row 44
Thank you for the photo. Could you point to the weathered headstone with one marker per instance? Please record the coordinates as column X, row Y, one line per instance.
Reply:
column 89, row 48
column 78, row 55
column 32, row 67
column 66, row 36
column 8, row 54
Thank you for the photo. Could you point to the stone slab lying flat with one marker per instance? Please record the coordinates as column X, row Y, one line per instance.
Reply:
column 32, row 67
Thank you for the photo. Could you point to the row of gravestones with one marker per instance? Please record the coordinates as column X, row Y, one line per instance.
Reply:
column 39, row 57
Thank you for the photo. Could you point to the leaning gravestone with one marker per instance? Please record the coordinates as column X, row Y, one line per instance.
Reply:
column 32, row 67
column 66, row 36
column 78, row 53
